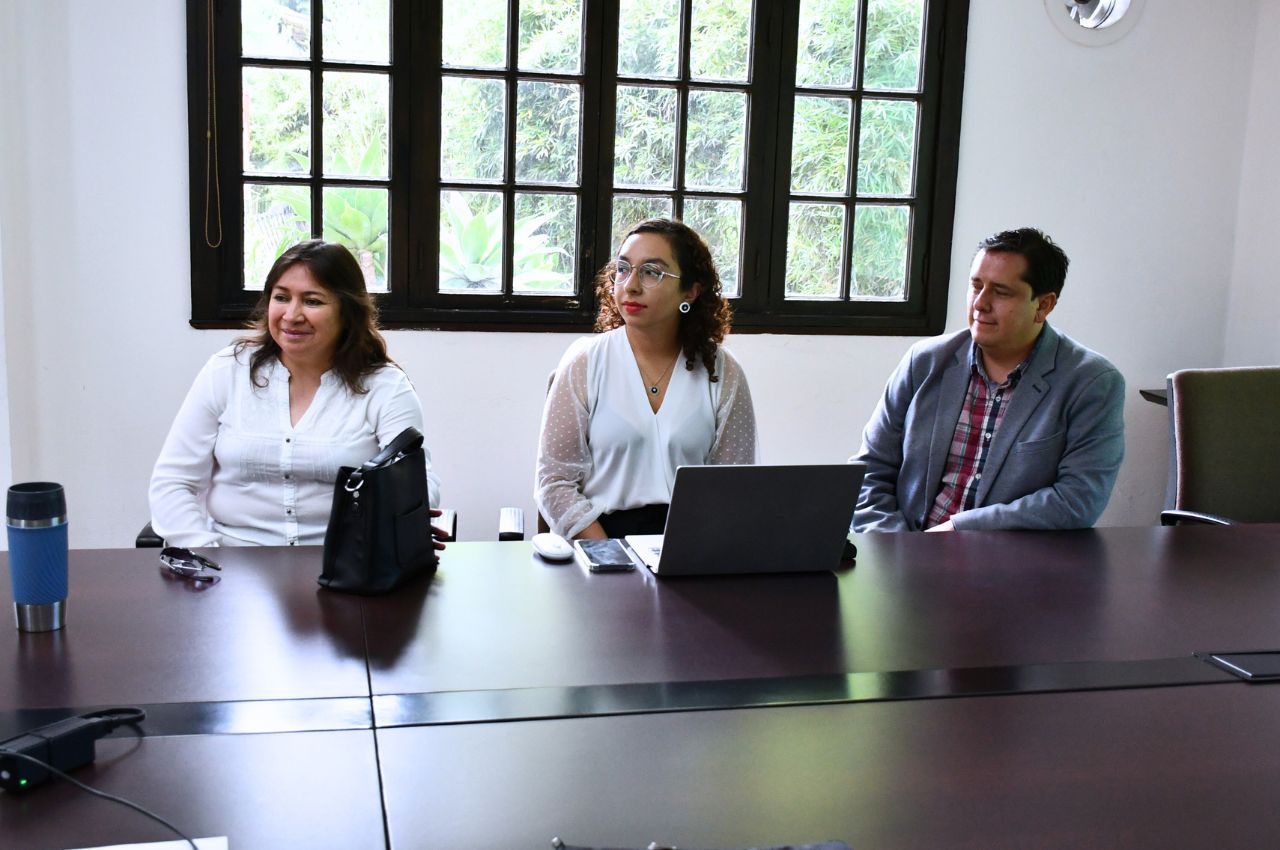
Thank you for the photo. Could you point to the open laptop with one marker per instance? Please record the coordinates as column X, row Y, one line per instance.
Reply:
column 754, row 519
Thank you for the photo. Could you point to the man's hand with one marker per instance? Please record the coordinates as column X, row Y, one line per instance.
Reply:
column 946, row 526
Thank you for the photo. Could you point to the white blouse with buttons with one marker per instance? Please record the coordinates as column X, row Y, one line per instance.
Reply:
column 235, row 471
column 603, row 449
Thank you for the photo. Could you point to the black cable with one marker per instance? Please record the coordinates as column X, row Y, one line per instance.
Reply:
column 103, row 794
column 113, row 718
column 117, row 717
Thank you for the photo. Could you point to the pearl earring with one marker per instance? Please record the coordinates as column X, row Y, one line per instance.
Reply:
column 685, row 306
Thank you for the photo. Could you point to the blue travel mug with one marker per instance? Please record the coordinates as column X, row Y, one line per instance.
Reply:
column 37, row 520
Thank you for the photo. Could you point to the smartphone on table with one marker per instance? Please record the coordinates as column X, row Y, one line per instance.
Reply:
column 603, row 556
column 1250, row 666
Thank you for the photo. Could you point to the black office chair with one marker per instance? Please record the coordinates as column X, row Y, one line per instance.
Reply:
column 511, row 524
column 148, row 539
column 1224, row 446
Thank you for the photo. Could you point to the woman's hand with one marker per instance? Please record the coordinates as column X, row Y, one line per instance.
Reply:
column 439, row 535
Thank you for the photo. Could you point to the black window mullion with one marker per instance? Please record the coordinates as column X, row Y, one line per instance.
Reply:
column 937, row 151
column 233, row 300
column 749, row 250
column 855, row 146
column 399, row 159
column 772, row 300
column 679, row 185
column 316, row 67
column 413, row 78
column 424, row 82
column 603, row 20
column 851, row 199
column 860, row 58
column 512, row 79
column 596, row 127
column 684, row 86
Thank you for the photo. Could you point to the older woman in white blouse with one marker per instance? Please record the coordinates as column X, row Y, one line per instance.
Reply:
column 254, row 451
column 654, row 391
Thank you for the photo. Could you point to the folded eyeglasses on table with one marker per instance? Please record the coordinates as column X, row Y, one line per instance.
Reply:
column 183, row 562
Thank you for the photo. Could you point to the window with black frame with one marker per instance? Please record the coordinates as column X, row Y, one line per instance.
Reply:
column 481, row 158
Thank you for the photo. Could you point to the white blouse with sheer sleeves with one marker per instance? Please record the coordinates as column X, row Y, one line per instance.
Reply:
column 603, row 449
column 235, row 471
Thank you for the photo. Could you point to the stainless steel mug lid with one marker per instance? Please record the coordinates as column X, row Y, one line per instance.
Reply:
column 37, row 502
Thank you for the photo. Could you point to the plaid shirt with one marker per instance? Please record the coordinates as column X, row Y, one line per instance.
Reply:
column 984, row 408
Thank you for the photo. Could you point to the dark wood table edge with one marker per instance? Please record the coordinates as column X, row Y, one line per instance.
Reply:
column 516, row 704
column 541, row 703
column 244, row 717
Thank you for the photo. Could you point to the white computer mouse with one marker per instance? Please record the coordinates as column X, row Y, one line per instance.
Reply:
column 553, row 547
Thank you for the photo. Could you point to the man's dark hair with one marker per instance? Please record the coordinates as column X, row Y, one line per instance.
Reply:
column 1046, row 262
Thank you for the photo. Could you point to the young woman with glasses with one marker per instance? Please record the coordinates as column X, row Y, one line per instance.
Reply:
column 652, row 391
column 254, row 451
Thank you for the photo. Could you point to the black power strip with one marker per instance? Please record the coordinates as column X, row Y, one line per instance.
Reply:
column 64, row 745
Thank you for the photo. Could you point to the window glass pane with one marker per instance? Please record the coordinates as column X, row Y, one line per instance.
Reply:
column 548, row 123
column 820, row 145
column 649, row 38
column 551, row 35
column 357, row 217
column 893, row 44
column 472, row 128
column 720, row 40
column 276, row 29
column 630, row 210
column 828, row 43
column 355, row 124
column 545, row 244
column 357, row 30
column 644, row 149
column 276, row 111
column 815, row 234
column 474, row 34
column 720, row 223
column 887, row 145
column 716, row 140
column 470, row 242
column 880, row 252
column 275, row 217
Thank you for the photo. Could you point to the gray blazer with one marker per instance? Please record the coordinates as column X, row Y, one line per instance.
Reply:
column 1051, row 464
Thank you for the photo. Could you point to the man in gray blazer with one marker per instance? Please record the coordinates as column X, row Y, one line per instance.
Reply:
column 1008, row 424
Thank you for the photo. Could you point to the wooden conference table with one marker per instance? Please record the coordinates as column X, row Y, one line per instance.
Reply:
column 966, row 689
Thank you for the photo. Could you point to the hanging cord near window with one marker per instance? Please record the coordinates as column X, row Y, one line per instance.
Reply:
column 212, row 178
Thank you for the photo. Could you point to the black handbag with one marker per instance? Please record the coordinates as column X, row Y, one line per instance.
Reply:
column 379, row 533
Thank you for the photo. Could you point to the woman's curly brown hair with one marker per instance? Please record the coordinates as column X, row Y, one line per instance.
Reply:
column 361, row 349
column 704, row 327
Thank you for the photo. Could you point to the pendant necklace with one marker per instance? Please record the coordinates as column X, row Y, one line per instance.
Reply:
column 653, row 387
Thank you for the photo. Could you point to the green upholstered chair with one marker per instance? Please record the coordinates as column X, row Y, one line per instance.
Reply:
column 1224, row 463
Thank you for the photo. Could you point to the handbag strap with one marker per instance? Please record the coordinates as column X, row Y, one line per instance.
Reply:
column 408, row 440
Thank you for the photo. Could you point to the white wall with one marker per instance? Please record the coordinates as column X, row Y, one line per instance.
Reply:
column 1129, row 155
column 6, row 466
column 1253, row 318
column 9, row 193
